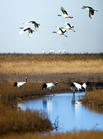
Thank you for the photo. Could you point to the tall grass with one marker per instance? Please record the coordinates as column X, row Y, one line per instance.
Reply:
column 15, row 120
column 40, row 64
column 74, row 135
column 19, row 121
column 50, row 57
column 94, row 100
column 10, row 94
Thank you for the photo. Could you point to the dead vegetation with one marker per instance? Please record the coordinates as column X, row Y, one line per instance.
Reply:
column 72, row 135
column 94, row 100
column 43, row 64
column 11, row 94
column 13, row 122
column 18, row 121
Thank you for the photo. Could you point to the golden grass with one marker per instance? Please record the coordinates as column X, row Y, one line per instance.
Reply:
column 30, row 67
column 74, row 135
column 18, row 121
column 94, row 100
column 50, row 57
column 10, row 94
column 41, row 64
column 15, row 120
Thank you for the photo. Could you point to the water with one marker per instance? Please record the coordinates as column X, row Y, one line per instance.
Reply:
column 67, row 111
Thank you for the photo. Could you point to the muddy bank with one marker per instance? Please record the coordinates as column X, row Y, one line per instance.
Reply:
column 78, row 77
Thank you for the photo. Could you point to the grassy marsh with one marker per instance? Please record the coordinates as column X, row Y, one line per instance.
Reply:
column 13, row 122
column 17, row 121
column 43, row 64
column 94, row 100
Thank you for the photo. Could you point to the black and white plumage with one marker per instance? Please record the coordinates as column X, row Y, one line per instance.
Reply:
column 65, row 13
column 79, row 87
column 49, row 86
column 36, row 25
column 69, row 27
column 23, row 29
column 91, row 10
column 20, row 84
column 61, row 31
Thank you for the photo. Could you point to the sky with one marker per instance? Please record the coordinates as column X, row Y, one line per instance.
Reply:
column 88, row 37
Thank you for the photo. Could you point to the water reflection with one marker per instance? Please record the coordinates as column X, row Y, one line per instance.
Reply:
column 68, row 111
column 73, row 99
column 47, row 105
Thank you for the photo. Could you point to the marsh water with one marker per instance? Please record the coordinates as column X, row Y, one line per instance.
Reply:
column 66, row 111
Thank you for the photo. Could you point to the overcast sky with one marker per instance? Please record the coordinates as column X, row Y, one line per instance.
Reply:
column 87, row 38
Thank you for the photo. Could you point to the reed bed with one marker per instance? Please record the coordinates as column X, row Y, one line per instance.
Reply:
column 50, row 57
column 14, row 120
column 11, row 94
column 41, row 64
column 94, row 100
column 30, row 67
column 73, row 135
column 18, row 121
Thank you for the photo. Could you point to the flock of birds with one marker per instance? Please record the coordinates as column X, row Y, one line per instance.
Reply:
column 31, row 26
column 74, row 86
column 28, row 28
column 60, row 30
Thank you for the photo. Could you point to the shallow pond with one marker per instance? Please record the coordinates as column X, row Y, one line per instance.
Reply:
column 66, row 111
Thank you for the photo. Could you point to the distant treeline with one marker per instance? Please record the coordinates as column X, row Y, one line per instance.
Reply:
column 49, row 57
column 51, row 54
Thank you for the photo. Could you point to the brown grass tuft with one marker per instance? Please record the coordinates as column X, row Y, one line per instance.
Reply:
column 18, row 121
column 94, row 100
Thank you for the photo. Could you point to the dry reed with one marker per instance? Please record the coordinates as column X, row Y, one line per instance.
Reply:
column 73, row 135
column 40, row 64
column 18, row 121
column 94, row 100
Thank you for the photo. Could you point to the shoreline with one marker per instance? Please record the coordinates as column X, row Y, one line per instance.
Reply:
column 32, row 90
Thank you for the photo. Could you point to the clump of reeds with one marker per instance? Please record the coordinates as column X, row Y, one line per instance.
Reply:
column 18, row 121
column 94, row 100
column 13, row 119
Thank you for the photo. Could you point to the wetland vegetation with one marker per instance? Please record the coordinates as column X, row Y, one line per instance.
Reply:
column 94, row 100
column 15, row 67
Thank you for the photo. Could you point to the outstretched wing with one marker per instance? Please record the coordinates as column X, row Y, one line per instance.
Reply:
column 63, row 11
column 84, row 7
column 69, row 25
column 35, row 23
column 22, row 29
